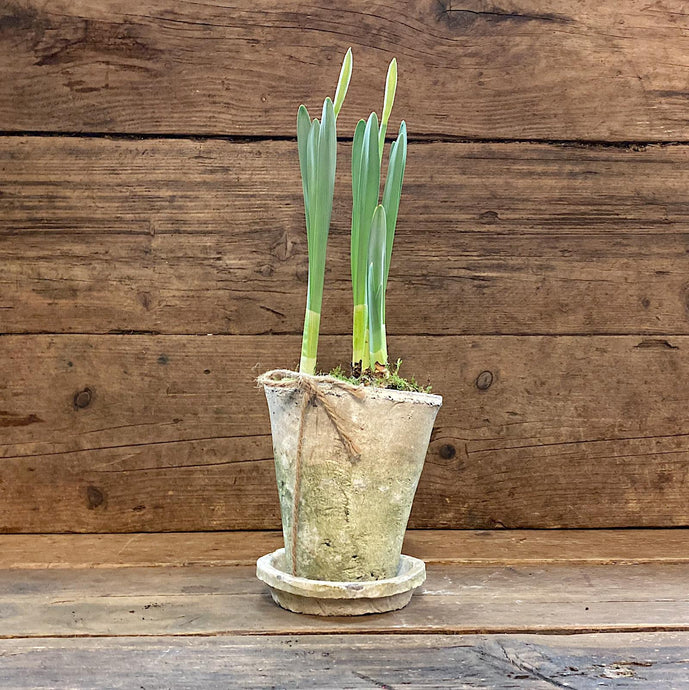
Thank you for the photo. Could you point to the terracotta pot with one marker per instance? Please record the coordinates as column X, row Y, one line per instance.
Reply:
column 347, row 461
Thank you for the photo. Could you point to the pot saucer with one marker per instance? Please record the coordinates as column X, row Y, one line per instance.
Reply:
column 326, row 598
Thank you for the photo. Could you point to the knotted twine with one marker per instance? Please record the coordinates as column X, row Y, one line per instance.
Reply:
column 283, row 378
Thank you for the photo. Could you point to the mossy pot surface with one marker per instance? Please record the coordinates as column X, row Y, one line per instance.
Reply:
column 347, row 461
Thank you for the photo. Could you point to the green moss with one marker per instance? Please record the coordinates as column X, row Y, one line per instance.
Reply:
column 388, row 378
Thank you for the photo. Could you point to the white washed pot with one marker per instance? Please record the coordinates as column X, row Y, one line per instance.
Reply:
column 347, row 460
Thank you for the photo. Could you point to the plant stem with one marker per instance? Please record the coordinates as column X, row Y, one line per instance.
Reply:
column 379, row 350
column 359, row 340
column 309, row 343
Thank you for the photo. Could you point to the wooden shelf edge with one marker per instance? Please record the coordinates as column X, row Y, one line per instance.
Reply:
column 465, row 547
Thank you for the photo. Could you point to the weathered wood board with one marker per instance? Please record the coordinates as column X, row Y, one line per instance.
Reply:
column 183, row 236
column 654, row 661
column 542, row 288
column 149, row 433
column 547, row 623
column 529, row 69
column 455, row 599
column 463, row 547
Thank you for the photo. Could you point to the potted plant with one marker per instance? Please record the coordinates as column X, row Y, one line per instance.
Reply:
column 349, row 450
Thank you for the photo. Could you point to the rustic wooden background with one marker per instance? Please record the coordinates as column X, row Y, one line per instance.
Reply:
column 149, row 197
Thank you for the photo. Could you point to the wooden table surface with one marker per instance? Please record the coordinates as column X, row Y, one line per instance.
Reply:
column 502, row 609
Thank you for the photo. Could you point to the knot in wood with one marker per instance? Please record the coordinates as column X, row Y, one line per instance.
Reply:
column 447, row 451
column 83, row 398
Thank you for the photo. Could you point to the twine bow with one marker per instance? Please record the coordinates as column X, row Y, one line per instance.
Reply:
column 282, row 378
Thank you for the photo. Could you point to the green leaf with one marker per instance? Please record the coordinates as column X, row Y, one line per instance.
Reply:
column 320, row 157
column 390, row 89
column 312, row 170
column 365, row 190
column 393, row 189
column 367, row 181
column 327, row 153
column 321, row 162
column 381, row 141
column 303, row 128
column 343, row 82
column 375, row 293
column 357, row 145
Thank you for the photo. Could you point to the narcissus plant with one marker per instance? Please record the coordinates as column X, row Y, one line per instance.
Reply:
column 349, row 447
column 373, row 219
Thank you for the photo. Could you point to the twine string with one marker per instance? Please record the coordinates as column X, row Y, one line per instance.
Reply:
column 282, row 378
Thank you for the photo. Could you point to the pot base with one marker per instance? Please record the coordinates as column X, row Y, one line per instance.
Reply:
column 326, row 598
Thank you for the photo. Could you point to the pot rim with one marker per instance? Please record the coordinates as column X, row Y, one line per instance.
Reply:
column 370, row 391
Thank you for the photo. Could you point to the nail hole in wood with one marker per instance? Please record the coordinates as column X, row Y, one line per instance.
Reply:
column 484, row 380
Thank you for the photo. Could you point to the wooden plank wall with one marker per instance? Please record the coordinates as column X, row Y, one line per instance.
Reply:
column 149, row 197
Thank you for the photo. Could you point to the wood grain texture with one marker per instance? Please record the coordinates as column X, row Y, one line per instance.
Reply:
column 464, row 547
column 208, row 237
column 150, row 433
column 654, row 661
column 455, row 599
column 556, row 70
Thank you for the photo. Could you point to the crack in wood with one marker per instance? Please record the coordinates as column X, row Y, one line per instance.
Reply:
column 528, row 668
column 136, row 445
column 656, row 344
column 272, row 311
column 580, row 442
column 418, row 138
column 545, row 631
column 373, row 681
column 8, row 419
column 157, row 468
column 500, row 15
